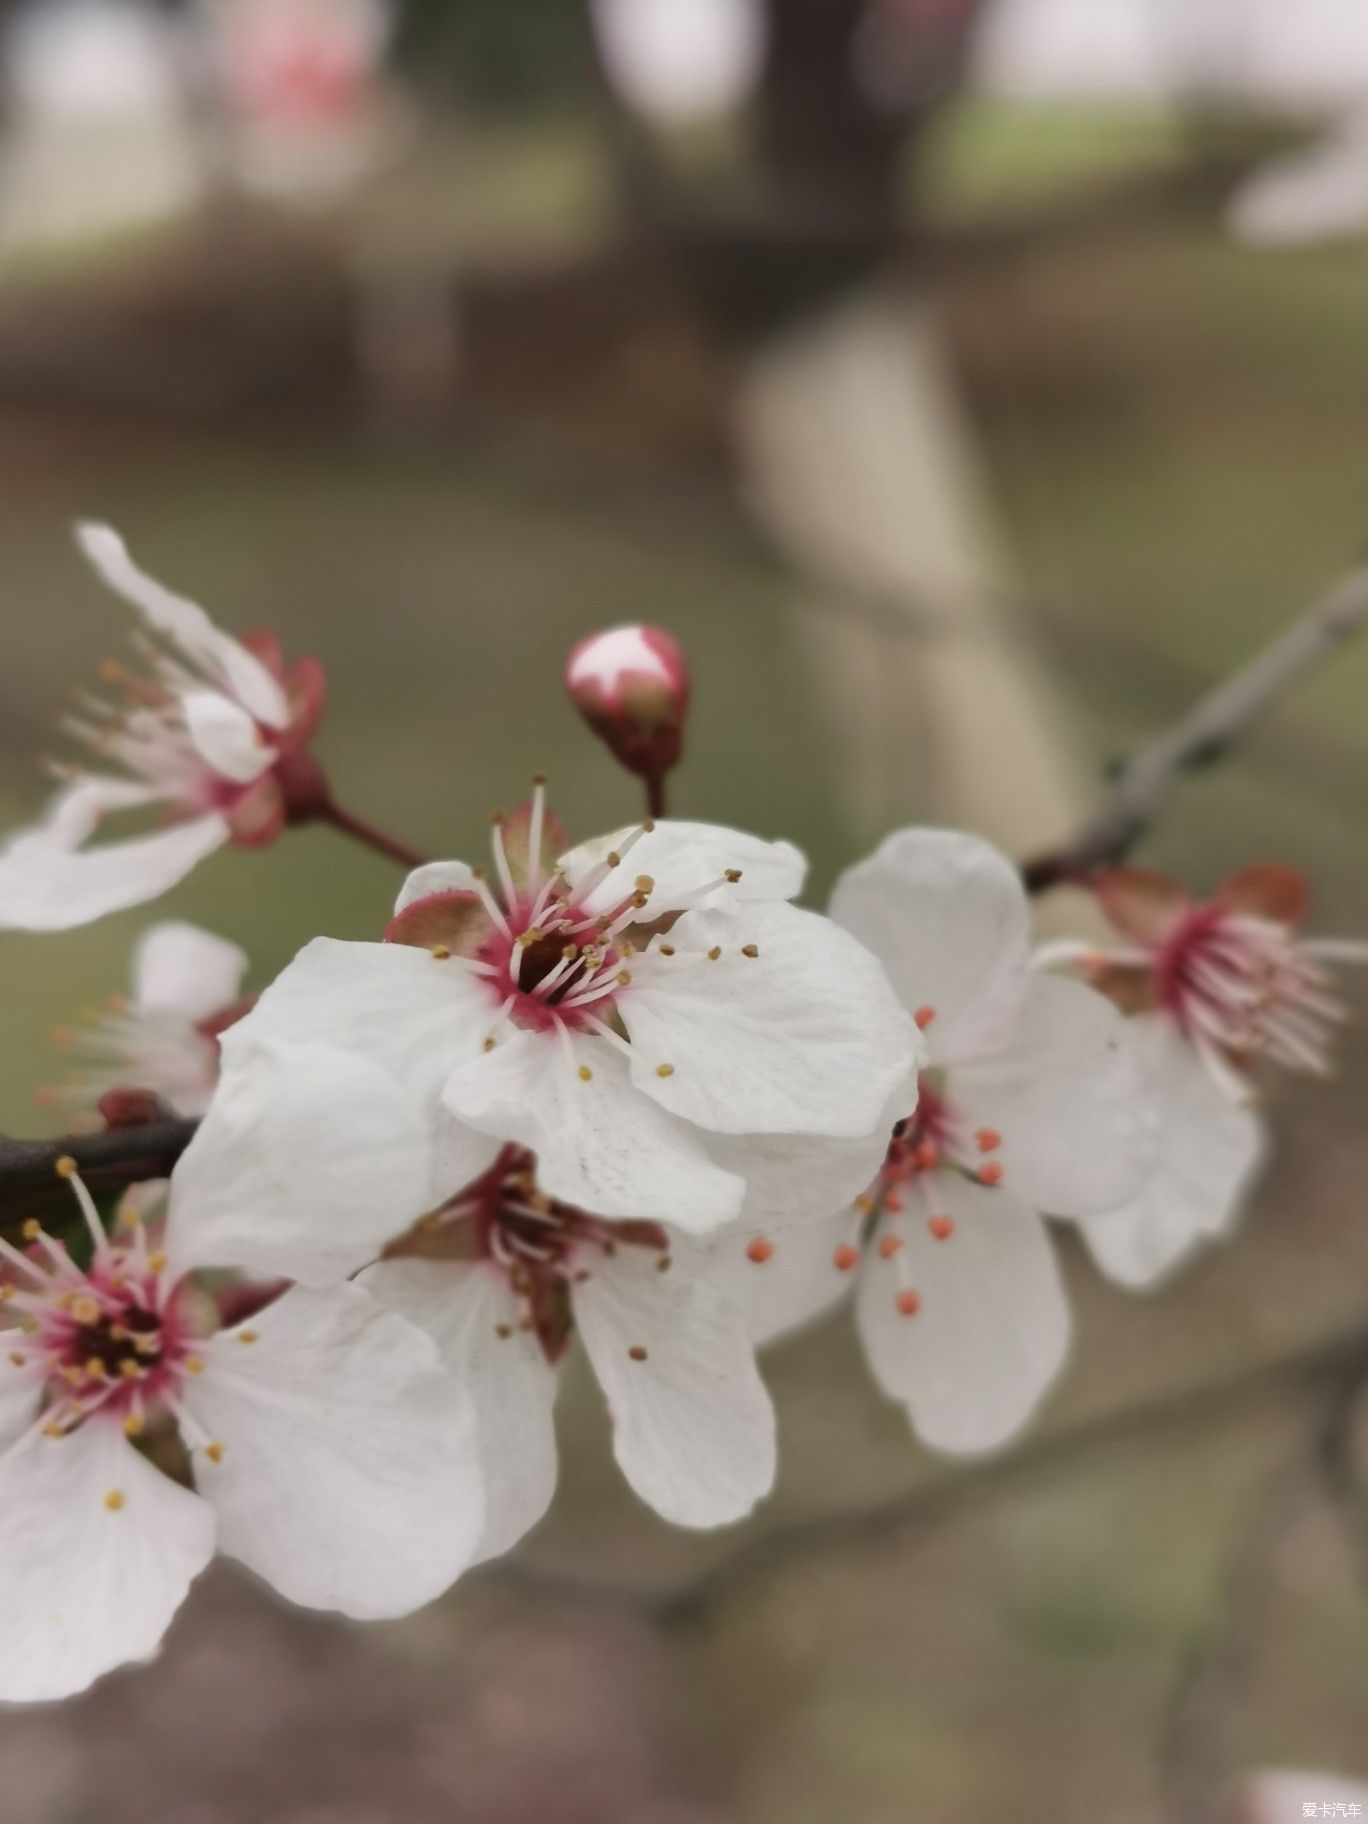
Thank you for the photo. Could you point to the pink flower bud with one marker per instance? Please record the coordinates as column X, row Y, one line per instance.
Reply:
column 631, row 685
column 131, row 1108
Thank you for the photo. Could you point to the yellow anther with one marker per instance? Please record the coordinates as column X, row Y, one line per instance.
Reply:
column 490, row 1043
column 714, row 953
column 667, row 950
column 644, row 883
column 134, row 1425
column 624, row 976
column 214, row 1452
column 585, row 1074
column 131, row 1370
column 194, row 1364
column 539, row 778
column 53, row 1430
column 664, row 1070
column 247, row 1336
column 32, row 1229
column 613, row 859
column 647, row 826
column 6, row 1294
column 84, row 1309
column 18, row 1357
column 440, row 951
column 114, row 1500
column 750, row 949
column 65, row 1166
column 95, row 1368
column 156, row 1261
column 732, row 874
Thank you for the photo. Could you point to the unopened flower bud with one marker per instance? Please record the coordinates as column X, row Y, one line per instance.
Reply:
column 631, row 685
column 131, row 1107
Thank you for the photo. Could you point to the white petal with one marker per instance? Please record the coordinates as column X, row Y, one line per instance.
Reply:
column 806, row 1037
column 436, row 877
column 693, row 1428
column 470, row 1311
column 178, row 968
column 792, row 1179
column 1065, row 1093
column 946, row 915
column 187, row 625
column 396, row 1007
column 85, row 1586
column 21, row 1389
column 599, row 1142
column 1210, row 1153
column 683, row 857
column 796, row 1283
column 226, row 737
column 993, row 1328
column 349, row 1476
column 48, row 886
column 308, row 1161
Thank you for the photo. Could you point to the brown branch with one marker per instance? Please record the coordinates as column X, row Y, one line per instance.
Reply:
column 108, row 1162
column 1204, row 735
column 1332, row 1361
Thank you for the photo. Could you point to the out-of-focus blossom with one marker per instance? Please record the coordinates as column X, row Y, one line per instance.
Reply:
column 631, row 685
column 211, row 735
column 329, row 1451
column 682, row 60
column 647, row 1015
column 98, row 139
column 1030, row 1102
column 1320, row 194
column 1214, row 987
column 164, row 1038
column 303, row 85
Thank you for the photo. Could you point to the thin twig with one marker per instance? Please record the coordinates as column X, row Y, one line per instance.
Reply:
column 1205, row 734
column 108, row 1162
column 691, row 1602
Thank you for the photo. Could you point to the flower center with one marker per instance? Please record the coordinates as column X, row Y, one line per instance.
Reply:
column 936, row 1138
column 113, row 1339
column 1239, row 985
column 541, row 1245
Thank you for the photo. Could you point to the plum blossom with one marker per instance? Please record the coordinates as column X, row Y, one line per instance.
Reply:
column 207, row 735
column 1213, row 987
column 164, row 1037
column 1029, row 1103
column 329, row 1451
column 647, row 1016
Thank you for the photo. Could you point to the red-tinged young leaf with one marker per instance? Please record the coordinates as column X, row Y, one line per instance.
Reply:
column 1267, row 890
column 456, row 922
column 1142, row 903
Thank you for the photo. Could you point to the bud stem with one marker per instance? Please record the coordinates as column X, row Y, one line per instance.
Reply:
column 370, row 834
column 655, row 795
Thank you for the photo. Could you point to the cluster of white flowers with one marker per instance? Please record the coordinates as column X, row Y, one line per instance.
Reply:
column 623, row 1093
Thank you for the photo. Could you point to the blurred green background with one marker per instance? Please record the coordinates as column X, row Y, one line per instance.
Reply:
column 1166, row 431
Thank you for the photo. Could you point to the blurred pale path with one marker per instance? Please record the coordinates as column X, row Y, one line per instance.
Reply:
column 1172, row 435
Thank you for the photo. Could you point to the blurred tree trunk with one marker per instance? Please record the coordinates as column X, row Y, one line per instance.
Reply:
column 848, row 86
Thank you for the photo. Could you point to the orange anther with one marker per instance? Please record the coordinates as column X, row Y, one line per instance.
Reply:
column 759, row 1250
column 990, row 1173
column 892, row 1202
column 909, row 1303
column 925, row 1157
column 846, row 1258
column 989, row 1139
column 924, row 1016
column 889, row 1245
column 942, row 1227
